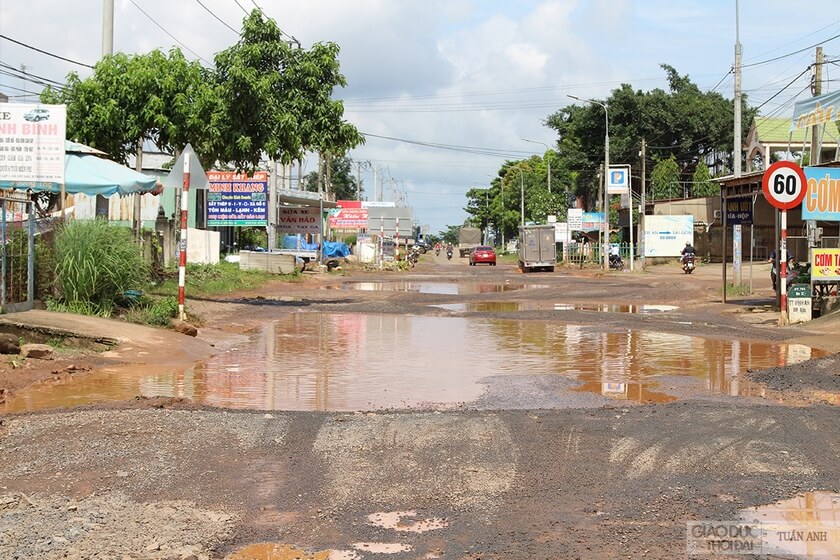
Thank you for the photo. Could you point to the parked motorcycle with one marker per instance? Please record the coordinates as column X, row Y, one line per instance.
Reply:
column 688, row 263
column 616, row 262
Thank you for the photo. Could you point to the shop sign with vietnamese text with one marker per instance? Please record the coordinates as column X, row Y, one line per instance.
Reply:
column 237, row 199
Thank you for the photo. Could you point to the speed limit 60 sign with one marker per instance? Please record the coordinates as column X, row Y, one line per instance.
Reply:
column 784, row 185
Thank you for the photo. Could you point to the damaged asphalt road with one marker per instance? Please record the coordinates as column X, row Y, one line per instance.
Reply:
column 510, row 475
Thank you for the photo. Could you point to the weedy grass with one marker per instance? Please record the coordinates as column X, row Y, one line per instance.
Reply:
column 204, row 280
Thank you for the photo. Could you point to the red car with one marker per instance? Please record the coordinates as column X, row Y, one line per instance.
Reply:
column 482, row 254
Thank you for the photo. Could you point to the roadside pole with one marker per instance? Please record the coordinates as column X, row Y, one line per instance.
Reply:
column 783, row 268
column 783, row 185
column 381, row 240
column 182, row 260
column 397, row 240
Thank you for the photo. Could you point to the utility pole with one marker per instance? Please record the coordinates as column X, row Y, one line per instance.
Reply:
column 816, row 144
column 643, row 154
column 736, row 229
column 358, row 180
column 107, row 27
column 522, row 197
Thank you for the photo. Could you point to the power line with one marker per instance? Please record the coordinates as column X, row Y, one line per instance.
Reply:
column 220, row 20
column 453, row 147
column 36, row 49
column 790, row 53
column 241, row 7
column 260, row 10
column 170, row 34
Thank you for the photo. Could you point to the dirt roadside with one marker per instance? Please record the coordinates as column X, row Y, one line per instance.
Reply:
column 165, row 479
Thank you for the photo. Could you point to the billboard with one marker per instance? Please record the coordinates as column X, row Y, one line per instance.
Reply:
column 237, row 199
column 665, row 236
column 822, row 194
column 298, row 219
column 349, row 218
column 32, row 142
column 575, row 219
column 825, row 265
column 591, row 221
column 739, row 211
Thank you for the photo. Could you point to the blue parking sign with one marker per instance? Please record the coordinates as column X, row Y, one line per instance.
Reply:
column 618, row 180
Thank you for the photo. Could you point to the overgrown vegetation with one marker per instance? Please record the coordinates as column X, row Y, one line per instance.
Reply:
column 96, row 263
column 204, row 280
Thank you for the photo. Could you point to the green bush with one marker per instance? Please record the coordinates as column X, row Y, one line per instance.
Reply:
column 97, row 262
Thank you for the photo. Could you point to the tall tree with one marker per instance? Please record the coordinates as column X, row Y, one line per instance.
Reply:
column 134, row 98
column 277, row 100
column 702, row 184
column 665, row 179
column 341, row 176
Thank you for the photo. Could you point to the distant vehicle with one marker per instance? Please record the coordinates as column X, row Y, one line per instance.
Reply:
column 422, row 246
column 483, row 254
column 537, row 250
column 468, row 239
column 36, row 115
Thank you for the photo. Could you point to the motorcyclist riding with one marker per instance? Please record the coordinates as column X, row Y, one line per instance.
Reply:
column 449, row 250
column 687, row 250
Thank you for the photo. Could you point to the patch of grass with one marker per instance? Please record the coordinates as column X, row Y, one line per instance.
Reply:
column 739, row 290
column 222, row 278
column 157, row 312
column 79, row 308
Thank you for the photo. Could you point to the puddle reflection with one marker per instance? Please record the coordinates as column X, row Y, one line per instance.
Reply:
column 806, row 526
column 442, row 288
column 343, row 362
column 533, row 305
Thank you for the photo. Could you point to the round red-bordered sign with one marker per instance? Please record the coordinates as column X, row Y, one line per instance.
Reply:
column 784, row 185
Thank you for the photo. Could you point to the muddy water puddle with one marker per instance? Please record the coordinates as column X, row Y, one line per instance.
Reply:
column 541, row 305
column 440, row 288
column 344, row 362
column 805, row 526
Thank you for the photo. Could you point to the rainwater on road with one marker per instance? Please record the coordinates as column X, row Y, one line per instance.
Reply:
column 344, row 362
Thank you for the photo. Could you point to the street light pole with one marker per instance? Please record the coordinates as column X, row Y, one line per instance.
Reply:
column 547, row 160
column 604, row 225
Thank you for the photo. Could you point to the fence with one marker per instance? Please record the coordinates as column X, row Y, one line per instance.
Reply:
column 590, row 253
column 17, row 254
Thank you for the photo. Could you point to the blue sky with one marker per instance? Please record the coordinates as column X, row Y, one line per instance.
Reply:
column 481, row 74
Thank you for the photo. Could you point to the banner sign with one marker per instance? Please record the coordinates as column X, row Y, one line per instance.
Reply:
column 32, row 142
column 575, row 219
column 235, row 199
column 349, row 218
column 561, row 232
column 825, row 265
column 739, row 211
column 618, row 180
column 815, row 111
column 378, row 204
column 591, row 221
column 665, row 236
column 293, row 220
column 822, row 194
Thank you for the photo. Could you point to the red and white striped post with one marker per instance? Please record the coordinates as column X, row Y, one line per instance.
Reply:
column 783, row 268
column 381, row 239
column 397, row 240
column 182, row 261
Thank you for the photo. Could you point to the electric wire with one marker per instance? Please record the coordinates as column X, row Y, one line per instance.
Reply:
column 170, row 34
column 36, row 49
column 790, row 53
column 241, row 7
column 220, row 20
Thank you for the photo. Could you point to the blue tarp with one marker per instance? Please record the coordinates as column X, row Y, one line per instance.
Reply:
column 335, row 249
column 88, row 174
column 298, row 243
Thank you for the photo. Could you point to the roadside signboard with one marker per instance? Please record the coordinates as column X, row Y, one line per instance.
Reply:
column 783, row 185
column 739, row 211
column 349, row 218
column 665, row 236
column 298, row 219
column 32, row 142
column 825, row 265
column 592, row 221
column 561, row 232
column 575, row 219
column 237, row 199
column 822, row 194
column 618, row 180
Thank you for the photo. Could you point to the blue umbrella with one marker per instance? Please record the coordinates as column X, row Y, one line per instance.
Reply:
column 86, row 173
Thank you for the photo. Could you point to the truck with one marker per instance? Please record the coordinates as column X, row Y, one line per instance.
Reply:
column 537, row 250
column 468, row 239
